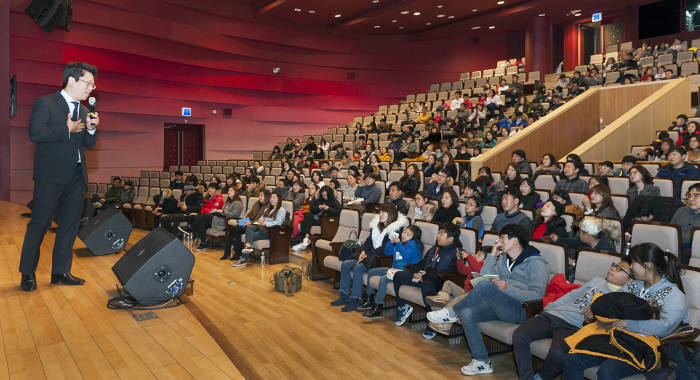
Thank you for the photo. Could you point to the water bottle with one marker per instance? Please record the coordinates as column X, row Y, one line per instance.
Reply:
column 627, row 248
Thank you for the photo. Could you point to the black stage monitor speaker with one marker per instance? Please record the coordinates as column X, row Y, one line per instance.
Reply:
column 51, row 13
column 155, row 269
column 106, row 233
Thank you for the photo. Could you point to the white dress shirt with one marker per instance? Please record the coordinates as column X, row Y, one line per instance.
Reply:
column 71, row 107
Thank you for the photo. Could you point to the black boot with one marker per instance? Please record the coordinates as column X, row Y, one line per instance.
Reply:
column 367, row 304
column 375, row 313
column 227, row 254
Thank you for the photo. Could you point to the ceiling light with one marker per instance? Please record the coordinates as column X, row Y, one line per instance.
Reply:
column 440, row 16
column 500, row 2
column 450, row 16
column 375, row 1
column 542, row 14
column 402, row 27
column 338, row 15
column 577, row 14
column 428, row 24
column 475, row 27
column 440, row 6
column 377, row 26
column 576, row 11
column 312, row 11
column 474, row 10
column 492, row 27
column 394, row 20
column 297, row 9
column 404, row 12
column 416, row 13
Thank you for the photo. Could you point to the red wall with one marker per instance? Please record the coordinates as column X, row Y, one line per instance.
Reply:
column 155, row 57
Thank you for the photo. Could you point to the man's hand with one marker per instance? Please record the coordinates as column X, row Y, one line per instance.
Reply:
column 74, row 126
column 587, row 313
column 501, row 284
column 93, row 121
column 497, row 249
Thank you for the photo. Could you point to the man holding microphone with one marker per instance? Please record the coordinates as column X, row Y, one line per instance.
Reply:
column 62, row 130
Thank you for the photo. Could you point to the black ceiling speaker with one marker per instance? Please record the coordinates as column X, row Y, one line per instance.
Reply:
column 50, row 14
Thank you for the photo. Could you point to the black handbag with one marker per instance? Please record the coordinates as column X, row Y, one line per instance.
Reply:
column 351, row 248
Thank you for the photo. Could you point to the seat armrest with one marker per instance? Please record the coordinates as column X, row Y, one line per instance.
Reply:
column 682, row 334
column 386, row 261
column 532, row 308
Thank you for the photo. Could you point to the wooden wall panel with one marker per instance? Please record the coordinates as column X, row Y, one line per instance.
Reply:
column 638, row 125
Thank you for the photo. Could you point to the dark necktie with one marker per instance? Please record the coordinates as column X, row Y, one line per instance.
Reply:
column 74, row 117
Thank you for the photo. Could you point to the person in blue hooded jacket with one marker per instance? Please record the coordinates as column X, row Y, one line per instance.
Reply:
column 407, row 250
column 522, row 276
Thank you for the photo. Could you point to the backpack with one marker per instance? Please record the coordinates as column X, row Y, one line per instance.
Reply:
column 288, row 280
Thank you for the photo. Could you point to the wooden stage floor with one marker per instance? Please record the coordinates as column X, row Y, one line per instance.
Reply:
column 234, row 326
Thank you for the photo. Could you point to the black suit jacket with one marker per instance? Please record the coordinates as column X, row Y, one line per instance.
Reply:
column 56, row 154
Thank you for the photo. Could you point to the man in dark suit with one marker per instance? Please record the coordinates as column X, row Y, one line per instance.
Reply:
column 60, row 128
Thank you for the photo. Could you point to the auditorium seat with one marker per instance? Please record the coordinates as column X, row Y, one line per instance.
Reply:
column 667, row 236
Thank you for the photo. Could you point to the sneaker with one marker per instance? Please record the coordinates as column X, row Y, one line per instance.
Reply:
column 441, row 316
column 367, row 305
column 403, row 314
column 351, row 305
column 375, row 313
column 201, row 247
column 342, row 300
column 306, row 241
column 477, row 367
column 429, row 333
column 299, row 247
column 441, row 328
column 241, row 263
column 247, row 250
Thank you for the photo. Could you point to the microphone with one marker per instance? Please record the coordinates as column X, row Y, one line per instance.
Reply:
column 93, row 108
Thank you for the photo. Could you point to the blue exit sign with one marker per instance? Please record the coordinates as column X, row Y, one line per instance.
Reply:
column 597, row 17
column 186, row 111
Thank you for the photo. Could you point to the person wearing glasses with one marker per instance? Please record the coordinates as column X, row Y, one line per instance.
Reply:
column 61, row 129
column 688, row 217
column 562, row 318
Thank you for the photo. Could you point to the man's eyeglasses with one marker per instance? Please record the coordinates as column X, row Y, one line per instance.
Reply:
column 90, row 85
column 689, row 196
column 617, row 267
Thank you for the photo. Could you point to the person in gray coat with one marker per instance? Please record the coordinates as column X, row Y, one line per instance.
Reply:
column 521, row 275
column 641, row 183
column 688, row 217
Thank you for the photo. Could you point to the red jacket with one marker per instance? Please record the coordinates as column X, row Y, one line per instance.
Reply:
column 214, row 203
column 557, row 288
column 474, row 266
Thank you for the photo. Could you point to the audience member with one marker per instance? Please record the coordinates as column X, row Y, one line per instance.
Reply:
column 561, row 319
column 678, row 170
column 522, row 276
column 641, row 183
column 274, row 215
column 571, row 182
column 688, row 217
column 421, row 209
column 388, row 223
column 510, row 202
column 657, row 281
column 599, row 202
column 447, row 207
column 438, row 260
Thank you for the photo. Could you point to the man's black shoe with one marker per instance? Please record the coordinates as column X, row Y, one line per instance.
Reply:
column 28, row 282
column 66, row 279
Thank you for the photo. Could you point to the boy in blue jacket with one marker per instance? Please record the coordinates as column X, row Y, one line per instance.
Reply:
column 439, row 259
column 406, row 251
column 522, row 276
